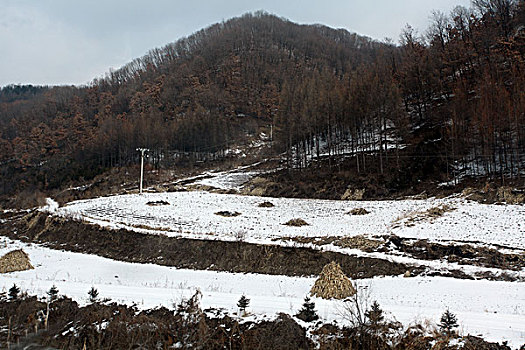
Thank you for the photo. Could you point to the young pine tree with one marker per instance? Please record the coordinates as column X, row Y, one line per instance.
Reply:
column 243, row 303
column 375, row 315
column 93, row 295
column 52, row 293
column 13, row 292
column 448, row 322
column 307, row 313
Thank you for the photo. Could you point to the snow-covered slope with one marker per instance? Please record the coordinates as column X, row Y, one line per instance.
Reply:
column 192, row 214
column 495, row 310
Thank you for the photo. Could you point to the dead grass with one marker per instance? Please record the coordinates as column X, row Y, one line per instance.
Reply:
column 157, row 203
column 16, row 260
column 332, row 283
column 146, row 227
column 410, row 219
column 358, row 211
column 228, row 214
column 353, row 242
column 296, row 222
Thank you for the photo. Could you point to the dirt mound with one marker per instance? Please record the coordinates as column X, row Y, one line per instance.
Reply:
column 16, row 260
column 333, row 283
column 296, row 222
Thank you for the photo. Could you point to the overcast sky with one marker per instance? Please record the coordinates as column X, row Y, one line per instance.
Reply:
column 73, row 41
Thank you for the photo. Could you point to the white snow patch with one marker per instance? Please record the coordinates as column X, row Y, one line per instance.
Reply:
column 495, row 310
column 192, row 214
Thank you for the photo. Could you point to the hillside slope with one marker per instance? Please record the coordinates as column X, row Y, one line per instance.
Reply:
column 443, row 108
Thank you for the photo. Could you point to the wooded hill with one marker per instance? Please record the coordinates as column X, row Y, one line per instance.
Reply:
column 450, row 101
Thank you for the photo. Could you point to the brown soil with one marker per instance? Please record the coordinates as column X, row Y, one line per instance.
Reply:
column 344, row 182
column 59, row 233
column 464, row 254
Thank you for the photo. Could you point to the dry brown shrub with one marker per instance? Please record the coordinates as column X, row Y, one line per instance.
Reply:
column 266, row 205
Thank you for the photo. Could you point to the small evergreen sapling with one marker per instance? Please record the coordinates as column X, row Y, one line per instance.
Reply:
column 448, row 322
column 307, row 313
column 375, row 315
column 52, row 293
column 243, row 303
column 13, row 292
column 93, row 295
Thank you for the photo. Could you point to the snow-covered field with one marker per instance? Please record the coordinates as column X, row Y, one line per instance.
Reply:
column 192, row 214
column 495, row 310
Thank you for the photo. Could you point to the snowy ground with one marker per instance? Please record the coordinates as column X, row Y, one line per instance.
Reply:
column 495, row 310
column 192, row 214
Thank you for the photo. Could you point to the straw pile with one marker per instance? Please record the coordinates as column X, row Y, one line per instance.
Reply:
column 332, row 283
column 17, row 260
column 228, row 214
column 358, row 211
column 296, row 222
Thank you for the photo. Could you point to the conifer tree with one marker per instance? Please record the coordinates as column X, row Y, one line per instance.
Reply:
column 13, row 292
column 243, row 303
column 375, row 315
column 52, row 293
column 307, row 313
column 448, row 322
column 93, row 295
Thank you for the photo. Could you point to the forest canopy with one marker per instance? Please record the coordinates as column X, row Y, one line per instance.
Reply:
column 451, row 99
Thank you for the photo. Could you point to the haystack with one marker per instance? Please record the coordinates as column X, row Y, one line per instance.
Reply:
column 17, row 260
column 332, row 283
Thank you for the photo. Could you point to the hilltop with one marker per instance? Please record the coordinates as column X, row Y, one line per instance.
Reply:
column 364, row 113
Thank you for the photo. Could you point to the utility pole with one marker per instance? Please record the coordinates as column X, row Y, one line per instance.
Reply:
column 142, row 150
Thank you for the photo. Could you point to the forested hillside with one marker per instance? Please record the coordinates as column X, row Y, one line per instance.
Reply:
column 450, row 102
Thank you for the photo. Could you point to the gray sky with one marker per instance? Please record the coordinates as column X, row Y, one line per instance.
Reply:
column 73, row 41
